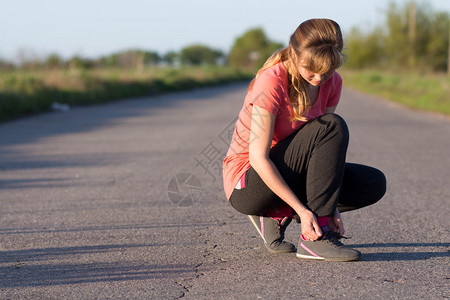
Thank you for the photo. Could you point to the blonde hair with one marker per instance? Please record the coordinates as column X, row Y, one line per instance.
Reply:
column 319, row 43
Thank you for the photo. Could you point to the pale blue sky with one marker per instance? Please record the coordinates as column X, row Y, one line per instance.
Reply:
column 96, row 27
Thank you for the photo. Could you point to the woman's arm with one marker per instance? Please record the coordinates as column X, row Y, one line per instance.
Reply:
column 261, row 135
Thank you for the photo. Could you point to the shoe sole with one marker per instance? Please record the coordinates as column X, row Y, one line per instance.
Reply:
column 280, row 251
column 339, row 259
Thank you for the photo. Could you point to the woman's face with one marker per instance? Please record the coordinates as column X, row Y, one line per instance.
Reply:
column 315, row 79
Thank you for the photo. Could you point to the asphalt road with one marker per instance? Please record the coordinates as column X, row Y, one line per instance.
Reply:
column 124, row 200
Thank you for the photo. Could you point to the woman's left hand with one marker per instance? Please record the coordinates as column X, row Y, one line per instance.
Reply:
column 336, row 223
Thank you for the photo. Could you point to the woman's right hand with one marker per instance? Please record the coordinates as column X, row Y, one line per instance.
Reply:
column 310, row 226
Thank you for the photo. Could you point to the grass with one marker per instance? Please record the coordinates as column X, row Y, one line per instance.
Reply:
column 28, row 92
column 422, row 91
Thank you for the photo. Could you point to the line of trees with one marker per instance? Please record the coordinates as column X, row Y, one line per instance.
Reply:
column 248, row 52
column 413, row 36
column 252, row 49
column 195, row 54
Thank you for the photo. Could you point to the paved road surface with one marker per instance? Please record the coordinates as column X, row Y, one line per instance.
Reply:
column 93, row 205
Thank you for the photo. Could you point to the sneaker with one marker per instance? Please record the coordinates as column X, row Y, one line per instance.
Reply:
column 328, row 248
column 272, row 233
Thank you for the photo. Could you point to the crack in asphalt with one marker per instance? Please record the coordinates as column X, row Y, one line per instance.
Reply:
column 183, row 282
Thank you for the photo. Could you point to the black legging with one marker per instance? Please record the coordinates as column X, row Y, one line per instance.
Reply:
column 312, row 162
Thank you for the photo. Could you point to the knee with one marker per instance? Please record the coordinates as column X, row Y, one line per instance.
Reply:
column 335, row 121
column 336, row 124
column 377, row 186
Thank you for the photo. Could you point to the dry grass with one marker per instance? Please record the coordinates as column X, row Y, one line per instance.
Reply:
column 26, row 92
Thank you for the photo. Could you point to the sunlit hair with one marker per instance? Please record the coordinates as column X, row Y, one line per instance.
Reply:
column 315, row 45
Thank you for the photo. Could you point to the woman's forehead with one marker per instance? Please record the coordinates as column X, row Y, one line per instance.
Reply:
column 320, row 62
column 315, row 66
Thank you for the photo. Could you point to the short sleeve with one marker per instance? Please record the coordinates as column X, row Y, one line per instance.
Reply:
column 267, row 92
column 335, row 93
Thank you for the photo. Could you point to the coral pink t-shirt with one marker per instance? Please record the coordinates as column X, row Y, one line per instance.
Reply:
column 270, row 92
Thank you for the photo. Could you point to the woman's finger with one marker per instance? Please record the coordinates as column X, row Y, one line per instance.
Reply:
column 317, row 229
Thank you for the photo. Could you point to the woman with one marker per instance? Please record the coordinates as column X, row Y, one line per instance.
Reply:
column 287, row 154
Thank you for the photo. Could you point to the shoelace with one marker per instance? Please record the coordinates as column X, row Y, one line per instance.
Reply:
column 333, row 237
column 280, row 230
column 282, row 225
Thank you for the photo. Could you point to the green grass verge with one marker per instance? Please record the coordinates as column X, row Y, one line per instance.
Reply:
column 28, row 92
column 430, row 92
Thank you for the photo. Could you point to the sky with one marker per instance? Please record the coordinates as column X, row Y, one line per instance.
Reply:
column 92, row 28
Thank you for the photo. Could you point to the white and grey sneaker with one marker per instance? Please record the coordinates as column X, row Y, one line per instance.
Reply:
column 272, row 233
column 327, row 247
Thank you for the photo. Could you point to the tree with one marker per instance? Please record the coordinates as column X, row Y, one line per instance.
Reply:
column 364, row 50
column 53, row 61
column 109, row 61
column 252, row 49
column 131, row 59
column 396, row 42
column 198, row 54
column 414, row 36
column 77, row 62
column 170, row 58
column 151, row 58
column 437, row 53
column 28, row 59
column 6, row 65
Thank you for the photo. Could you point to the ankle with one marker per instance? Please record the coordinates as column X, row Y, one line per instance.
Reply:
column 280, row 212
column 324, row 223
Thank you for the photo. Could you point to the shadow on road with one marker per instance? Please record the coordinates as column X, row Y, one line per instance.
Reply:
column 23, row 160
column 83, row 120
column 401, row 254
column 41, row 254
column 21, row 231
column 19, row 269
column 389, row 245
column 64, row 274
